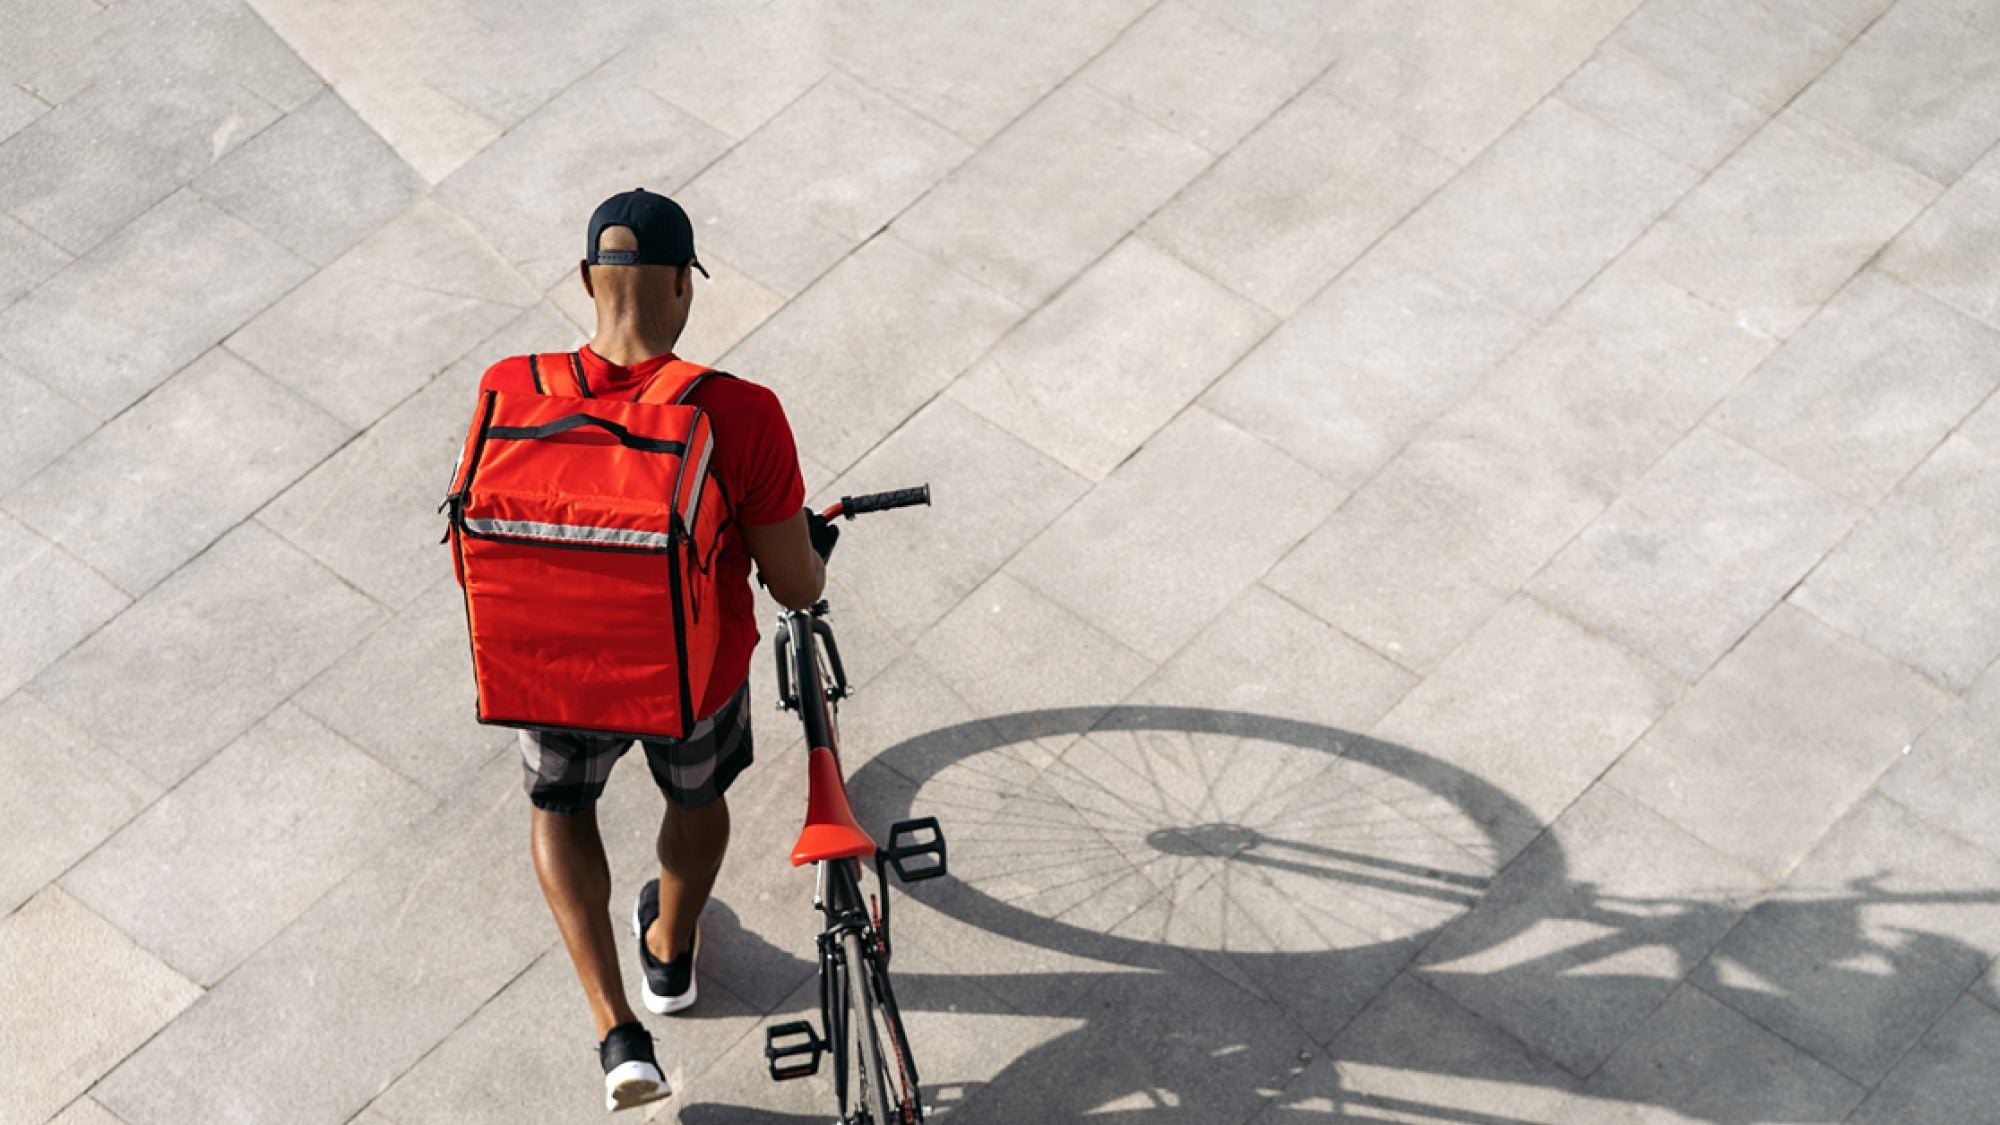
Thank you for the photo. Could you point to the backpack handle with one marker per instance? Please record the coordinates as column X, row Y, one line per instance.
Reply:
column 570, row 422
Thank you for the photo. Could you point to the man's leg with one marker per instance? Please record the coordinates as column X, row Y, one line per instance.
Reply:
column 691, row 846
column 569, row 861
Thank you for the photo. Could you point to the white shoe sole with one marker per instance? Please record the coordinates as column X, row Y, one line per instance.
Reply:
column 634, row 1083
column 655, row 1003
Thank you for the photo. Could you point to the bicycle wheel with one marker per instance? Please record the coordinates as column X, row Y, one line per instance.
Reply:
column 904, row 1091
column 867, row 1088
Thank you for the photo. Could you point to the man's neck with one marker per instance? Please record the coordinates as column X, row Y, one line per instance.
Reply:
column 628, row 341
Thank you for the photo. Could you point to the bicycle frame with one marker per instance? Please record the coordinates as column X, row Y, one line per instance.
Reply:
column 836, row 845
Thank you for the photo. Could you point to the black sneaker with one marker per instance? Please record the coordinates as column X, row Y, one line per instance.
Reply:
column 669, row 985
column 631, row 1073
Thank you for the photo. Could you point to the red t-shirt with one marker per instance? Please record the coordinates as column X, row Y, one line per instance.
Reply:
column 757, row 461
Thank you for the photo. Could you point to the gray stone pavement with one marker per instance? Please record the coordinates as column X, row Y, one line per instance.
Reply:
column 1461, row 586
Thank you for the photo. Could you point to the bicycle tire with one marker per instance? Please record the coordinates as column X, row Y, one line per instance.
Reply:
column 905, row 1093
column 870, row 1068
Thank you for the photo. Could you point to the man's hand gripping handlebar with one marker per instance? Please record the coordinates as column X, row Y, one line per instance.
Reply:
column 819, row 525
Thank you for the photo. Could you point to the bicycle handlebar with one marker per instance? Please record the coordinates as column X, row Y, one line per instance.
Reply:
column 851, row 506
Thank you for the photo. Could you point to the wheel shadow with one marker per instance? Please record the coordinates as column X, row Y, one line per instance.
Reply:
column 1165, row 1030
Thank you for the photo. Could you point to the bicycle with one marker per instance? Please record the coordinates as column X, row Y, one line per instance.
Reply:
column 858, row 1010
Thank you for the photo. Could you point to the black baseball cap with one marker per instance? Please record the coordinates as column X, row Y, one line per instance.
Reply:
column 666, row 237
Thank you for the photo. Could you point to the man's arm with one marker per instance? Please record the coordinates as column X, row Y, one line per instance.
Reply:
column 791, row 569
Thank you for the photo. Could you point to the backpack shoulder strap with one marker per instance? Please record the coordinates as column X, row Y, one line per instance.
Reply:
column 674, row 382
column 559, row 373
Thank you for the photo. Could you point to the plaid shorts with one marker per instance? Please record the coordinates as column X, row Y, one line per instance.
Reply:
column 566, row 772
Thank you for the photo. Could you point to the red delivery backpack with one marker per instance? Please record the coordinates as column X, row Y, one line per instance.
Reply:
column 584, row 532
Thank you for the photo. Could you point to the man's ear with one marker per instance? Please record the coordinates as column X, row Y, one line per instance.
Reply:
column 683, row 279
column 583, row 270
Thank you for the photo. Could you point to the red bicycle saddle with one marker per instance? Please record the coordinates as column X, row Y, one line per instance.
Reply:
column 830, row 831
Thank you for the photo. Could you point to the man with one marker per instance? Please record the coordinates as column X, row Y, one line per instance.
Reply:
column 638, row 268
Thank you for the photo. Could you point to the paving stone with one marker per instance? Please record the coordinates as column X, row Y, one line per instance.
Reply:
column 1919, row 86
column 1902, row 582
column 733, row 66
column 44, row 40
column 1866, row 390
column 1116, row 558
column 185, row 464
column 1350, row 378
column 1950, row 772
column 1523, row 236
column 1594, row 399
column 406, row 694
column 1987, row 989
column 942, row 63
column 991, row 494
column 531, row 192
column 1299, row 200
column 391, row 477
column 1983, row 427
column 1783, row 223
column 525, row 1055
column 356, row 340
column 359, row 182
column 1243, row 80
column 1760, row 53
column 1951, row 249
column 1576, row 942
column 153, row 297
column 18, row 109
column 1478, row 70
column 218, row 866
column 80, row 795
column 1845, row 18
column 1239, row 1040
column 727, row 307
column 1006, row 648
column 39, row 425
column 1779, row 739
column 1421, row 555
column 430, row 86
column 1697, row 1060
column 1304, row 32
column 169, row 40
column 393, row 968
column 1694, row 122
column 820, row 178
column 1695, row 553
column 134, row 136
column 1026, row 236
column 1872, row 938
column 1946, row 1077
column 897, row 326
column 62, row 1028
column 48, row 602
column 1414, row 1054
column 26, row 260
column 1264, row 656
column 207, row 652
column 84, row 1111
column 1094, row 373
column 1536, row 705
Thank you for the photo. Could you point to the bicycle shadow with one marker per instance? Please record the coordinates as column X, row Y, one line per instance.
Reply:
column 1162, row 1026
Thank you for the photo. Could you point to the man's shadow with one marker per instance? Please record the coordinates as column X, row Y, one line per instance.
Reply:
column 1149, row 1040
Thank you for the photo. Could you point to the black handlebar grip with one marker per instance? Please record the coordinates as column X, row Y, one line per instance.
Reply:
column 851, row 506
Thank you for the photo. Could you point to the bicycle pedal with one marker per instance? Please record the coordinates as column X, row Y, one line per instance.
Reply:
column 793, row 1050
column 916, row 849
